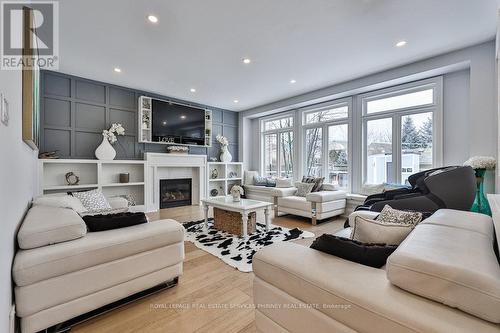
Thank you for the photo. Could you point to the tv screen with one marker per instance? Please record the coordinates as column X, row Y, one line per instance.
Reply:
column 175, row 123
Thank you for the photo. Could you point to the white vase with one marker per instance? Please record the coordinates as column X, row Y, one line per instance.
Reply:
column 105, row 151
column 225, row 155
column 236, row 197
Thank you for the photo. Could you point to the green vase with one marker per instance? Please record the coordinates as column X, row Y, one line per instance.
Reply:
column 480, row 204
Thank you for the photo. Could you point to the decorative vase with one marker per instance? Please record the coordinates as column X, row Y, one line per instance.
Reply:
column 480, row 204
column 236, row 197
column 225, row 155
column 105, row 151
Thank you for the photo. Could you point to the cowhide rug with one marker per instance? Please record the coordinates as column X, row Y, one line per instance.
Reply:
column 232, row 249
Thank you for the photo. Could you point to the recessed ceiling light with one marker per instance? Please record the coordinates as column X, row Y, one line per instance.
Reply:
column 246, row 60
column 152, row 19
column 236, row 101
column 292, row 81
column 164, row 122
column 118, row 70
column 192, row 90
column 401, row 43
column 183, row 117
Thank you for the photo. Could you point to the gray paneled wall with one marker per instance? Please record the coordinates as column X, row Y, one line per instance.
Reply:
column 76, row 110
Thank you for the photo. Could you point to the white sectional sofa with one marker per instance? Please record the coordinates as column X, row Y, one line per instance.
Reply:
column 61, row 271
column 320, row 205
column 444, row 277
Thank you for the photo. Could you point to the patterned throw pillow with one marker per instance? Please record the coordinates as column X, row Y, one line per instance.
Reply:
column 92, row 200
column 270, row 182
column 259, row 181
column 317, row 181
column 303, row 189
column 390, row 215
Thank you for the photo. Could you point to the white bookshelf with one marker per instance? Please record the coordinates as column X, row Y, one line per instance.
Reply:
column 103, row 175
column 228, row 175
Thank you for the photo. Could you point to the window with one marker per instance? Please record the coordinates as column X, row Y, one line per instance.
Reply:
column 379, row 151
column 278, row 147
column 314, row 145
column 328, row 114
column 326, row 142
column 399, row 132
column 418, row 98
column 338, row 168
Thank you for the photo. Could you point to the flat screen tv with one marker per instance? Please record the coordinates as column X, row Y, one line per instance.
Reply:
column 177, row 123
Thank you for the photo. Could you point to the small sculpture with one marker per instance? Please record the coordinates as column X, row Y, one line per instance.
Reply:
column 72, row 179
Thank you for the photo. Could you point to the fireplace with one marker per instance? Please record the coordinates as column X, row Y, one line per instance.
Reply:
column 175, row 192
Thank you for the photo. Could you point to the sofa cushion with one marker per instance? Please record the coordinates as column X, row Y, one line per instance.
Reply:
column 95, row 248
column 464, row 220
column 248, row 177
column 451, row 265
column 324, row 196
column 60, row 200
column 44, row 225
column 374, row 231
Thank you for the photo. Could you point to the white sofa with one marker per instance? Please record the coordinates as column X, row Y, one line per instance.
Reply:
column 61, row 271
column 317, row 205
column 444, row 277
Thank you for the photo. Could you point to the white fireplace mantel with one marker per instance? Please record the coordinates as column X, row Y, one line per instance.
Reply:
column 171, row 166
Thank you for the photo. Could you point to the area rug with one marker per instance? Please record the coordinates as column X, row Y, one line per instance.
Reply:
column 233, row 250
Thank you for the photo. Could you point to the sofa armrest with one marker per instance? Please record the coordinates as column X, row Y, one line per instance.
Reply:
column 329, row 187
column 325, row 196
column 118, row 202
column 283, row 192
column 362, row 213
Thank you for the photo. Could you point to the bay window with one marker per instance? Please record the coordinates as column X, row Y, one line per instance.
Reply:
column 278, row 147
column 326, row 141
column 399, row 136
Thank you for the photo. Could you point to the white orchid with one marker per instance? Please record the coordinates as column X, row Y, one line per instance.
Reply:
column 222, row 140
column 110, row 133
column 481, row 162
column 237, row 190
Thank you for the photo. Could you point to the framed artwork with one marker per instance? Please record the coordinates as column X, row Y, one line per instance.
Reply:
column 30, row 82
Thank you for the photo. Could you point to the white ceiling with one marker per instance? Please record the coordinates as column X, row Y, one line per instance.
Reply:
column 200, row 44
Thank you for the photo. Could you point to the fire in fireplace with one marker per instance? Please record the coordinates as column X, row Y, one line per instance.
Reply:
column 175, row 192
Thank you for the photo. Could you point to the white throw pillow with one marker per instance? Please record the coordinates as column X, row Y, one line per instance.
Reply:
column 303, row 189
column 249, row 176
column 60, row 200
column 93, row 200
column 284, row 182
column 372, row 231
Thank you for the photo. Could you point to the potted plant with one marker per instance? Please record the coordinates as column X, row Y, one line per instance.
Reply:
column 105, row 151
column 237, row 192
column 225, row 155
column 480, row 164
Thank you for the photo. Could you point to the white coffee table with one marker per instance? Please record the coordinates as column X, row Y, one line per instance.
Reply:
column 244, row 207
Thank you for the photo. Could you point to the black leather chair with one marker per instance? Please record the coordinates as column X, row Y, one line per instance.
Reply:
column 451, row 187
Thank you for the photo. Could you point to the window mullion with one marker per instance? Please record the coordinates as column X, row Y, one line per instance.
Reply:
column 396, row 146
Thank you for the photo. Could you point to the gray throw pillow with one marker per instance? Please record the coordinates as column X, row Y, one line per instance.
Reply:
column 92, row 200
column 259, row 181
column 391, row 215
column 374, row 231
column 303, row 189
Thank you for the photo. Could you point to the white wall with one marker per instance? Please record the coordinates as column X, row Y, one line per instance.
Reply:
column 469, row 101
column 17, row 179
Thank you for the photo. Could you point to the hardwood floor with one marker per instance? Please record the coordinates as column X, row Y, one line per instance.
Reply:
column 210, row 297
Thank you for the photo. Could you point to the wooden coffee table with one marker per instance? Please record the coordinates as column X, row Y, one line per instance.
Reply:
column 244, row 207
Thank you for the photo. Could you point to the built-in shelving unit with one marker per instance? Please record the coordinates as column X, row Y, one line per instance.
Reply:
column 104, row 175
column 222, row 176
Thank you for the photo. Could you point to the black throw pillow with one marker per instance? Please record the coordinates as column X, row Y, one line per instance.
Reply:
column 102, row 222
column 373, row 255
